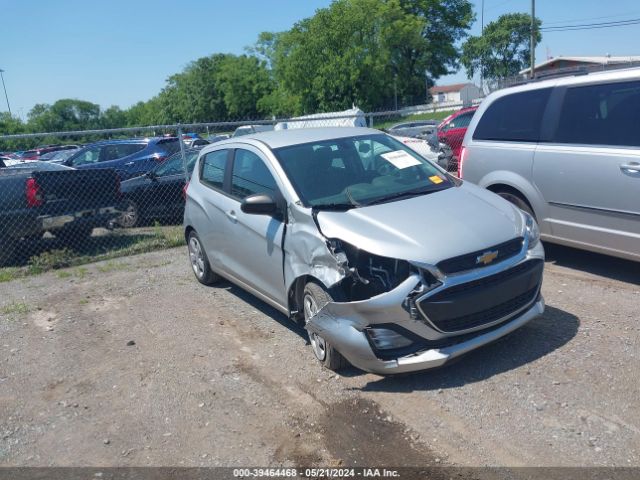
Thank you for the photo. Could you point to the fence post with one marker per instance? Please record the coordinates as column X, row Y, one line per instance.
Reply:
column 183, row 153
column 370, row 120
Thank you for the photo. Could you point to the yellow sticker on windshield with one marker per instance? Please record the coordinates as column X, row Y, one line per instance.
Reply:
column 436, row 179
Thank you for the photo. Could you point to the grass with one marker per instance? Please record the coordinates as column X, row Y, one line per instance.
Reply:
column 381, row 125
column 97, row 248
column 15, row 309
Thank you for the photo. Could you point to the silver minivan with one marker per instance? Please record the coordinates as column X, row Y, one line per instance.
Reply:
column 567, row 151
column 392, row 264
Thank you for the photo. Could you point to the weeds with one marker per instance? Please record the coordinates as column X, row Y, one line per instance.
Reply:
column 98, row 248
column 15, row 308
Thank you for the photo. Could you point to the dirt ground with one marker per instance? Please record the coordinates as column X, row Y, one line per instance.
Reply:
column 131, row 362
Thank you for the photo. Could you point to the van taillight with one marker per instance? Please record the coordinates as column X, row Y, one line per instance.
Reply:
column 184, row 190
column 34, row 195
column 463, row 155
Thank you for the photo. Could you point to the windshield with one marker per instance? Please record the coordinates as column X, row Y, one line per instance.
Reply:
column 358, row 171
column 173, row 165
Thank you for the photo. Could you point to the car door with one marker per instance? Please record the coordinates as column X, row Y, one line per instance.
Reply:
column 253, row 248
column 125, row 159
column 208, row 205
column 588, row 170
column 164, row 194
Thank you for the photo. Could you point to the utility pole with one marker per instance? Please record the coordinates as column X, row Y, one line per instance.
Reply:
column 481, row 33
column 532, row 43
column 5, row 91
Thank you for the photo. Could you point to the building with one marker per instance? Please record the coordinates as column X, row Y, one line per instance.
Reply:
column 566, row 64
column 457, row 93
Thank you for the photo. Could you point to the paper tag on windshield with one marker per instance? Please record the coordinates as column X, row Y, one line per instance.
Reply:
column 400, row 159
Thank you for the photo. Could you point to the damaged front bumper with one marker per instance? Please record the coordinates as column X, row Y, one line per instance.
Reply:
column 344, row 324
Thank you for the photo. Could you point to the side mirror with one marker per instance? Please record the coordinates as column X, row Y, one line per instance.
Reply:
column 152, row 175
column 259, row 204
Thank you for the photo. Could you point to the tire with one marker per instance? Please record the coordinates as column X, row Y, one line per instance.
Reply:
column 199, row 261
column 517, row 200
column 130, row 216
column 73, row 236
column 314, row 298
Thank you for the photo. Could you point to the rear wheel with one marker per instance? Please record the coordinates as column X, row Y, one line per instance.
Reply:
column 130, row 216
column 314, row 298
column 517, row 200
column 199, row 261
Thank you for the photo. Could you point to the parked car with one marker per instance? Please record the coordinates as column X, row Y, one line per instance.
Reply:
column 58, row 156
column 392, row 264
column 129, row 158
column 567, row 151
column 249, row 129
column 36, row 153
column 192, row 140
column 40, row 197
column 452, row 129
column 158, row 194
column 414, row 128
column 217, row 138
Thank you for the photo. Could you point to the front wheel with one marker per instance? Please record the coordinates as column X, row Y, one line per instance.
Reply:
column 130, row 216
column 517, row 200
column 199, row 261
column 314, row 298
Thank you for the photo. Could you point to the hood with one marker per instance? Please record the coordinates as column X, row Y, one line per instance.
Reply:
column 428, row 228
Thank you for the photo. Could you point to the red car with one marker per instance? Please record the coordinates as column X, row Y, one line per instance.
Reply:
column 452, row 129
column 37, row 152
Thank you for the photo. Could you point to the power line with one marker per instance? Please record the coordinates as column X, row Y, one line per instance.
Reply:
column 591, row 26
column 601, row 17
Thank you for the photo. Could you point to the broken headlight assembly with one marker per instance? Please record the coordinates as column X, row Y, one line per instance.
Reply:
column 366, row 274
column 531, row 230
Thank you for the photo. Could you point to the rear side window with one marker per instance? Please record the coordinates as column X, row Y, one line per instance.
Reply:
column 514, row 117
column 171, row 145
column 601, row 115
column 120, row 150
column 250, row 175
column 213, row 168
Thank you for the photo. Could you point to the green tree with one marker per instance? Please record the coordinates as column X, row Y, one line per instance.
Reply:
column 355, row 51
column 503, row 49
column 65, row 114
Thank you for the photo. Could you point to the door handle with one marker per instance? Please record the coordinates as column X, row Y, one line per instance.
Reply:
column 128, row 164
column 232, row 215
column 632, row 167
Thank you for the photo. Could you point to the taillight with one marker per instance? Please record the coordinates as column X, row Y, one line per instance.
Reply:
column 463, row 155
column 34, row 195
column 184, row 190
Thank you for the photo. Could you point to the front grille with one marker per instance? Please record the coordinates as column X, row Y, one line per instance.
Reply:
column 469, row 261
column 485, row 300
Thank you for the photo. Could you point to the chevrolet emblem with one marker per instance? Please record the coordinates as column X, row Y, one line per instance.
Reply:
column 487, row 257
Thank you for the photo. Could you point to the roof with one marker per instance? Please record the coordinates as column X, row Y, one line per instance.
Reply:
column 284, row 138
column 455, row 87
column 595, row 60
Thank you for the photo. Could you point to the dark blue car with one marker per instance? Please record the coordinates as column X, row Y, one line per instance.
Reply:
column 129, row 158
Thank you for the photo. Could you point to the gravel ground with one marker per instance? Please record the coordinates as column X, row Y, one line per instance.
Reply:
column 131, row 362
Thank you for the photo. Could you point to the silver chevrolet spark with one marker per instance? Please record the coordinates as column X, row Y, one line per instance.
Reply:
column 392, row 264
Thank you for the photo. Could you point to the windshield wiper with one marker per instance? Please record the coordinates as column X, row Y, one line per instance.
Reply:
column 406, row 194
column 333, row 206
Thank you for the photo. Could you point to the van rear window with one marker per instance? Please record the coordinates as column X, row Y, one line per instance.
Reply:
column 514, row 118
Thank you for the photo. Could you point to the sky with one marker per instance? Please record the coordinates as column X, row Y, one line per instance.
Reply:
column 119, row 52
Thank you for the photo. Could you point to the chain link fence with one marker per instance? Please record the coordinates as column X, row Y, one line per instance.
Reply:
column 68, row 198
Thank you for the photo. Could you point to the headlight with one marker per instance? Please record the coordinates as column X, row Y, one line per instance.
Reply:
column 531, row 230
column 385, row 339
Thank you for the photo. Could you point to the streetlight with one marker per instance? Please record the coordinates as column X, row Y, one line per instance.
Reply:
column 5, row 91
